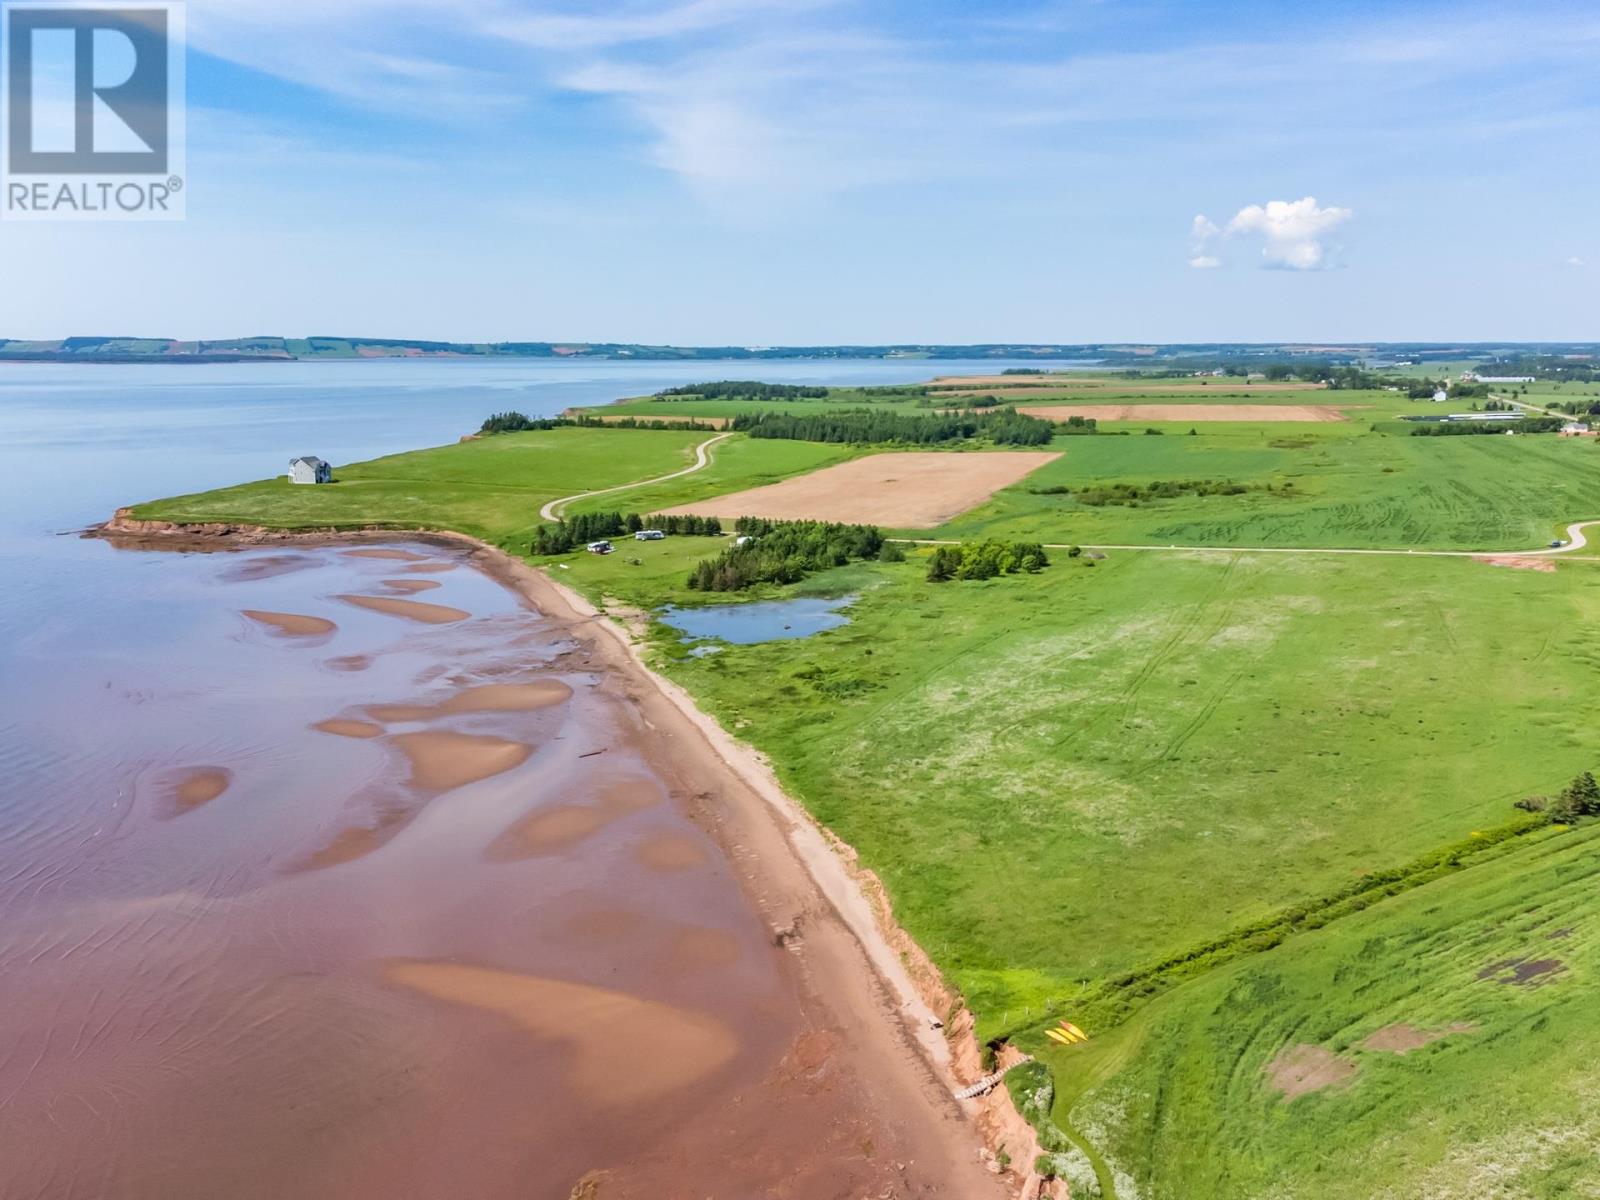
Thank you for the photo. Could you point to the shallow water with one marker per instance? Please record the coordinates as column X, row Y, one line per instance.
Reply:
column 761, row 621
column 303, row 903
column 245, row 956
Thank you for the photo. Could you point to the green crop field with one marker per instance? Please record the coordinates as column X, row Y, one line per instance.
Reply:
column 1330, row 487
column 1114, row 790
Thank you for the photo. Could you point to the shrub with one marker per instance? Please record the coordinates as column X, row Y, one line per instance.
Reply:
column 986, row 560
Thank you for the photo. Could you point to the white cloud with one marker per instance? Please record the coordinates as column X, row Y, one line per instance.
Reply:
column 1205, row 262
column 1296, row 234
column 1574, row 261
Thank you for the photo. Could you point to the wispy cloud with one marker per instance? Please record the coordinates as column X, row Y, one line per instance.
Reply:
column 759, row 104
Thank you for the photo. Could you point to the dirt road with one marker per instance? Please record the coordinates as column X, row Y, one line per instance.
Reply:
column 702, row 460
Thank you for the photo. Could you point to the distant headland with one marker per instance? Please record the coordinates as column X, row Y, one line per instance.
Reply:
column 1130, row 355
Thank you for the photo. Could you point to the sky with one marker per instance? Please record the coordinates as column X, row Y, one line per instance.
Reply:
column 787, row 172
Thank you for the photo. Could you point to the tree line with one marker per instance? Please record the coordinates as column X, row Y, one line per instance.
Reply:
column 1578, row 408
column 863, row 426
column 1465, row 428
column 568, row 534
column 516, row 422
column 784, row 552
column 985, row 560
column 746, row 389
column 1544, row 366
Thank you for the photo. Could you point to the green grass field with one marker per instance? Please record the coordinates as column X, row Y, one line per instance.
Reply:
column 1064, row 778
column 492, row 489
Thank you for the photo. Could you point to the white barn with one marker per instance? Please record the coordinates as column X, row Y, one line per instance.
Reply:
column 309, row 469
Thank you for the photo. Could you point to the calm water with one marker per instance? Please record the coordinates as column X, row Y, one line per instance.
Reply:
column 300, row 913
column 763, row 621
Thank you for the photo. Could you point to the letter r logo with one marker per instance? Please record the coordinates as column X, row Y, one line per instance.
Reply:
column 87, row 89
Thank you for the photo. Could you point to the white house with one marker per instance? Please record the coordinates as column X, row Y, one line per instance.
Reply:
column 309, row 469
column 1441, row 396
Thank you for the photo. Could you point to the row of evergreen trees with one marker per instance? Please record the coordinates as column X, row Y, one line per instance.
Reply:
column 747, row 389
column 985, row 560
column 516, row 422
column 567, row 535
column 784, row 552
column 864, row 426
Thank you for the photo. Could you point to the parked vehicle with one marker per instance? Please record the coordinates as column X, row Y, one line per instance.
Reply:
column 649, row 535
column 601, row 547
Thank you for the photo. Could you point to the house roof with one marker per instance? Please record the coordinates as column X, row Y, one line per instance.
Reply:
column 311, row 460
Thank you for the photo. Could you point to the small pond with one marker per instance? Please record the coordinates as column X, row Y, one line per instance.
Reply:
column 763, row 621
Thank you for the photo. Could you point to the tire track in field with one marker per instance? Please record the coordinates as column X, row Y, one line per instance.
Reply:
column 1164, row 653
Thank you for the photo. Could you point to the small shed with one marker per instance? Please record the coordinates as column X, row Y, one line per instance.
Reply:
column 309, row 469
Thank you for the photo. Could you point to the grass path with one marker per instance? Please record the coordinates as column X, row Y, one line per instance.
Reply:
column 702, row 460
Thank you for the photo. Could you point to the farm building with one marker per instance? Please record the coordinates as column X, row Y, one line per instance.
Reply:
column 1576, row 429
column 309, row 469
column 1485, row 416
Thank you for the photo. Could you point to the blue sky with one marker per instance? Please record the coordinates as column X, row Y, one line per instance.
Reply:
column 805, row 171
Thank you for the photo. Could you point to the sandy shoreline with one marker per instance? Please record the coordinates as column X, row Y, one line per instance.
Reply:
column 798, row 876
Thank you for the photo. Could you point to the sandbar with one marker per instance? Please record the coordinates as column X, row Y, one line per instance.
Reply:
column 442, row 760
column 292, row 624
column 411, row 610
column 624, row 1050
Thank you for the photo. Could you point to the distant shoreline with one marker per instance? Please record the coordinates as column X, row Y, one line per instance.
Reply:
column 138, row 351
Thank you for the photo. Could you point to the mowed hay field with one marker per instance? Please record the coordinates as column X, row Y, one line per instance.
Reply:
column 900, row 491
column 1454, row 1025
